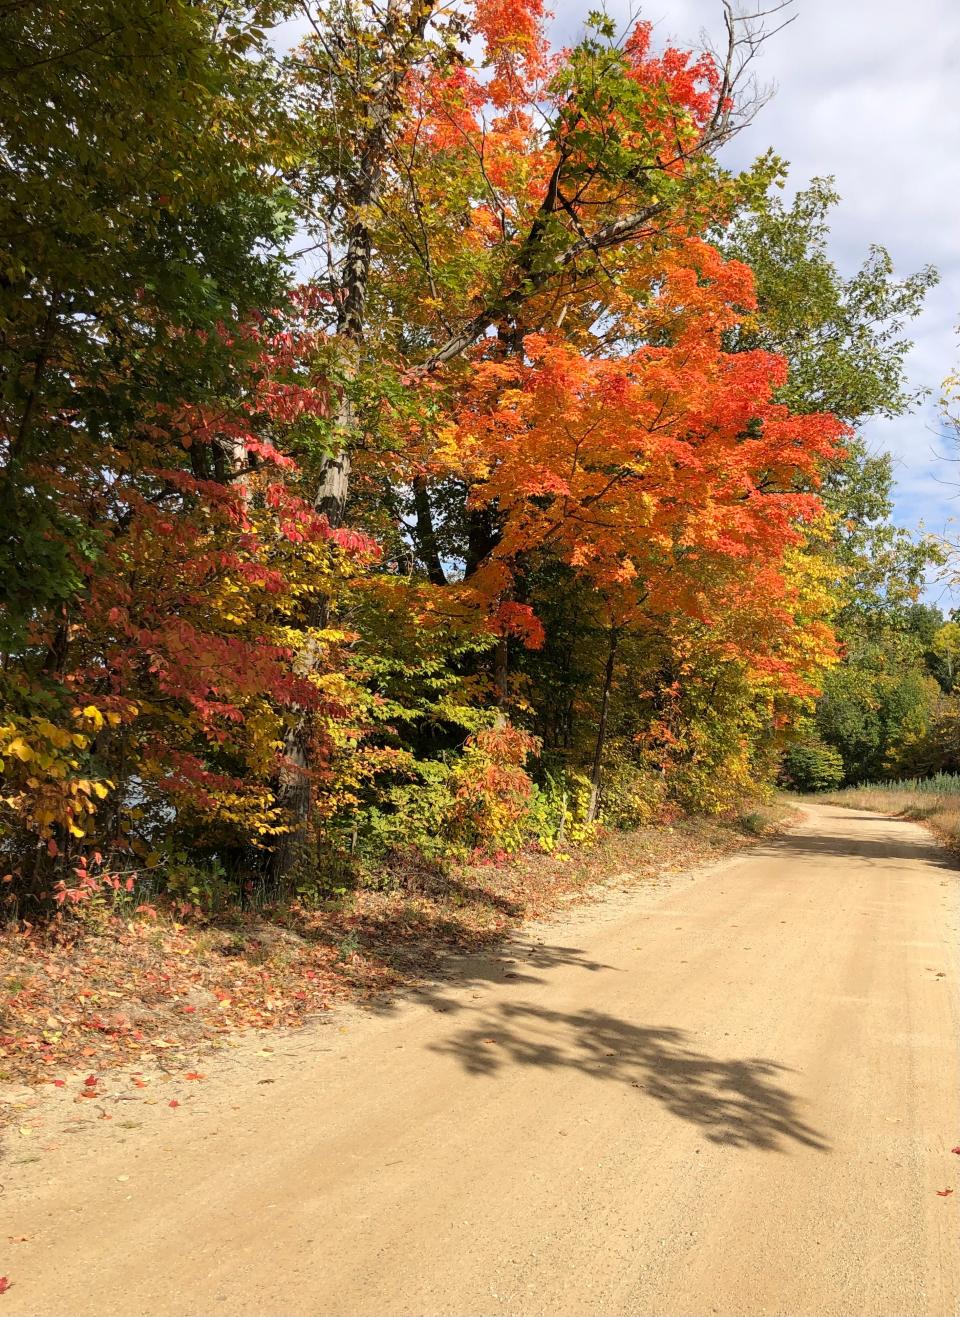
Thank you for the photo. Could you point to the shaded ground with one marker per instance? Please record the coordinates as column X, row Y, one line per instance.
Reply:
column 935, row 803
column 732, row 1092
column 154, row 995
column 735, row 1102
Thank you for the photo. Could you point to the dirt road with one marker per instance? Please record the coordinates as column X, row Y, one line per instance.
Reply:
column 735, row 1093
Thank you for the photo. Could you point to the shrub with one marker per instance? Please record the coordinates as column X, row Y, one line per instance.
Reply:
column 493, row 790
column 557, row 812
column 632, row 796
column 754, row 823
column 812, row 766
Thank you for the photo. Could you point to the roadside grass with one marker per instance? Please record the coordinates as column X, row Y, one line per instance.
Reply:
column 934, row 801
column 141, row 994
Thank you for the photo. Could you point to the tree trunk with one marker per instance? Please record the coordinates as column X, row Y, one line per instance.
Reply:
column 295, row 787
column 596, row 774
column 501, row 672
column 483, row 536
column 19, row 441
column 426, row 533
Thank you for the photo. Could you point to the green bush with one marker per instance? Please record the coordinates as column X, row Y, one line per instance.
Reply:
column 812, row 766
column 632, row 796
column 414, row 813
column 754, row 823
column 557, row 812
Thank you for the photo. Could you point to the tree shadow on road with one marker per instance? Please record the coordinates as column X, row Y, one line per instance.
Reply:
column 834, row 839
column 737, row 1103
column 509, row 959
column 854, row 846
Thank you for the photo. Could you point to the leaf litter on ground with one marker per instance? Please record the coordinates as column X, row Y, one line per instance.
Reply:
column 150, row 996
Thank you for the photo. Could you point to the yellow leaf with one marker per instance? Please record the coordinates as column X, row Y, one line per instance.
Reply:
column 19, row 748
column 93, row 713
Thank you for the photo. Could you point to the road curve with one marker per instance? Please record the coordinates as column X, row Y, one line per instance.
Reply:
column 735, row 1093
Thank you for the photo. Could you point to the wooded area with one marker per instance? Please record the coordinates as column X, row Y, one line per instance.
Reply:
column 418, row 445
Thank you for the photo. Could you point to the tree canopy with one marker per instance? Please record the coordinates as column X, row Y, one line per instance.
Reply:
column 538, row 506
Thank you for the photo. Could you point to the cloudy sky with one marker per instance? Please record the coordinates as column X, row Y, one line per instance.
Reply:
column 868, row 91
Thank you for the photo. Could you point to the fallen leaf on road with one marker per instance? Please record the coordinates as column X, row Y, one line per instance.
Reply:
column 4, row 1284
column 956, row 1149
column 194, row 1074
column 90, row 1081
column 173, row 1103
column 944, row 1193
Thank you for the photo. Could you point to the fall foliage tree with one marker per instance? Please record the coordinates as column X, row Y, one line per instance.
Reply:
column 148, row 355
column 845, row 340
column 514, row 515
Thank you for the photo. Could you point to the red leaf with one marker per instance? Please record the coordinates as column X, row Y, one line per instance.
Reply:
column 90, row 1081
column 4, row 1284
column 944, row 1193
column 189, row 1010
column 956, row 1149
column 193, row 1074
column 58, row 1083
column 173, row 1103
